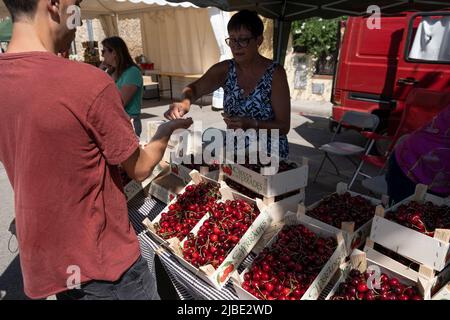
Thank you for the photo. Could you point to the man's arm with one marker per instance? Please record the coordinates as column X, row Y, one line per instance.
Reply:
column 142, row 162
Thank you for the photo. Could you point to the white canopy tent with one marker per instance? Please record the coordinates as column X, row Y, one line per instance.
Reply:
column 176, row 37
column 95, row 8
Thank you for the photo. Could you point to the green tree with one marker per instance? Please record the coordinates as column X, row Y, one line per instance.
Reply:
column 317, row 35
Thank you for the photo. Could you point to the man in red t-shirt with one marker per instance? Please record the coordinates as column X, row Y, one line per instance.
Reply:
column 63, row 133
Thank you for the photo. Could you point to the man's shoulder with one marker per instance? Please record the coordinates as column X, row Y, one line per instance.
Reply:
column 87, row 73
column 82, row 82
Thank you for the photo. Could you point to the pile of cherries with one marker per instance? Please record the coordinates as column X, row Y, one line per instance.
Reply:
column 187, row 211
column 220, row 233
column 287, row 269
column 424, row 218
column 335, row 209
column 356, row 288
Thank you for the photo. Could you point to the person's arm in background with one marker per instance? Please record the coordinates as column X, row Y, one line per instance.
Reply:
column 281, row 105
column 127, row 93
column 142, row 162
column 212, row 80
column 132, row 82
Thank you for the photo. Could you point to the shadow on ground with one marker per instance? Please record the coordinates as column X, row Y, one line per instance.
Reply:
column 316, row 132
column 11, row 282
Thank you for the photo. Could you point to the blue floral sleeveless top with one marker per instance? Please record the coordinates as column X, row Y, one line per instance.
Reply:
column 257, row 105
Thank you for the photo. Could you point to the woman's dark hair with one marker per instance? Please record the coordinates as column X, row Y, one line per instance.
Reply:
column 21, row 7
column 124, row 60
column 248, row 20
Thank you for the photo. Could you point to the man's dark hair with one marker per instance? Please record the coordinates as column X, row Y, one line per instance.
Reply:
column 18, row 8
column 248, row 20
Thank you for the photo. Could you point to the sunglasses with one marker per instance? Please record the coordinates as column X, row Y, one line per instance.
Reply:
column 241, row 42
column 106, row 49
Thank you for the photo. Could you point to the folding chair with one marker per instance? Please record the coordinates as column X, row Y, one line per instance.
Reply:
column 358, row 121
column 420, row 107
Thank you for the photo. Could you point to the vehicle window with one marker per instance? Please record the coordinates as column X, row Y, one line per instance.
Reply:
column 430, row 41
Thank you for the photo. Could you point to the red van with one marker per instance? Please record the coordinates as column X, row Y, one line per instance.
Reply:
column 377, row 68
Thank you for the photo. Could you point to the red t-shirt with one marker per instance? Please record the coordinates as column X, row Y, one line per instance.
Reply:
column 63, row 131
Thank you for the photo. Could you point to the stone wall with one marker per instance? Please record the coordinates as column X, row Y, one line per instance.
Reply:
column 266, row 48
column 292, row 69
column 130, row 31
column 298, row 64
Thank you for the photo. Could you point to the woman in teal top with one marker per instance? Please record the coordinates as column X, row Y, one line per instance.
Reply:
column 127, row 75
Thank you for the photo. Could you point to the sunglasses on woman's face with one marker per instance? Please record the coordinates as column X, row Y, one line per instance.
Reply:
column 106, row 49
column 241, row 42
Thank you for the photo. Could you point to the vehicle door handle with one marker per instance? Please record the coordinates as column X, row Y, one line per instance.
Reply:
column 407, row 81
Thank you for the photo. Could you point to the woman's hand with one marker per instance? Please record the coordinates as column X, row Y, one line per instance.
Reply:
column 103, row 66
column 177, row 110
column 239, row 123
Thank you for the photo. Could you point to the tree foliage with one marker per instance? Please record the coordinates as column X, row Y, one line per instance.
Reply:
column 318, row 36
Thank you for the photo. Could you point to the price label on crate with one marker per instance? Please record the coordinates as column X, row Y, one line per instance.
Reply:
column 131, row 189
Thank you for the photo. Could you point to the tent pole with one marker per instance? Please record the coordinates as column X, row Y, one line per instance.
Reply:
column 280, row 26
column 90, row 30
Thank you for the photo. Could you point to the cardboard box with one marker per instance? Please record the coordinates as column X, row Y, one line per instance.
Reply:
column 361, row 260
column 134, row 187
column 443, row 294
column 162, row 191
column 192, row 144
column 432, row 281
column 152, row 127
column 165, row 188
column 279, row 208
column 183, row 172
column 325, row 274
column 219, row 277
column 268, row 185
column 423, row 249
column 353, row 238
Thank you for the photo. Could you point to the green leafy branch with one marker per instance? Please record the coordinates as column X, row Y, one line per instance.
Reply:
column 318, row 36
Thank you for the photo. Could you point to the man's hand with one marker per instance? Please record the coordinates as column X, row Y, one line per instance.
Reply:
column 141, row 164
column 167, row 128
column 177, row 110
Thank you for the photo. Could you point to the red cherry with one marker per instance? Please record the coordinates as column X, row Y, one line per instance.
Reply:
column 269, row 287
column 362, row 287
column 394, row 282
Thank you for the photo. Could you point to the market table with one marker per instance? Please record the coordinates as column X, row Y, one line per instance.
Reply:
column 187, row 285
column 159, row 74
